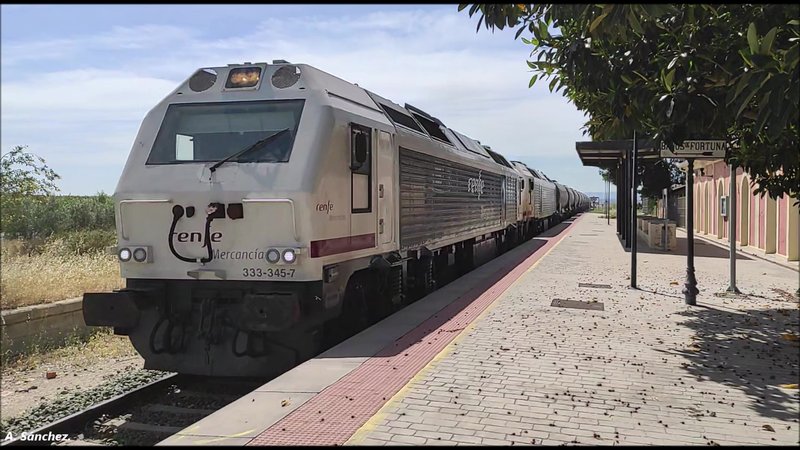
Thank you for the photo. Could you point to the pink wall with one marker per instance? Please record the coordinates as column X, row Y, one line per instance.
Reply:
column 753, row 219
column 783, row 222
column 762, row 219
column 707, row 188
column 738, row 182
column 740, row 199
column 715, row 208
column 726, row 187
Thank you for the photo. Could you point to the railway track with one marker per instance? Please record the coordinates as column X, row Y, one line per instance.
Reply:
column 146, row 415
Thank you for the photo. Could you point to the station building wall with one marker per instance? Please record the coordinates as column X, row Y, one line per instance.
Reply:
column 769, row 225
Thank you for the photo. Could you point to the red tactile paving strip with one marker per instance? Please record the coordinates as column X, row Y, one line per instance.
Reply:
column 333, row 415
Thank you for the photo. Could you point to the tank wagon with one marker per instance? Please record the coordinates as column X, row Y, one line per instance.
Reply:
column 268, row 209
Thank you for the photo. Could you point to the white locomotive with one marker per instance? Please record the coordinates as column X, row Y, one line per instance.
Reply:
column 268, row 209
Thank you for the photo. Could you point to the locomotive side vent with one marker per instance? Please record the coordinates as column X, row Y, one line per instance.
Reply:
column 561, row 303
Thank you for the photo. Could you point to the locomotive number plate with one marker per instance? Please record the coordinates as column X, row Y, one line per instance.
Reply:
column 257, row 272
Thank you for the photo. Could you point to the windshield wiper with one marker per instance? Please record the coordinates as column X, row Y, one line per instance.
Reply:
column 256, row 145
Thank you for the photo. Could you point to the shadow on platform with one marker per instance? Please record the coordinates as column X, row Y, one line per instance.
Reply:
column 746, row 350
column 701, row 249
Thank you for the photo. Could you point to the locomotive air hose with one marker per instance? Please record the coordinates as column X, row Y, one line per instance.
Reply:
column 177, row 213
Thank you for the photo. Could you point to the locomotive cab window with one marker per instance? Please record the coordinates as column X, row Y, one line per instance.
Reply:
column 361, row 168
column 210, row 132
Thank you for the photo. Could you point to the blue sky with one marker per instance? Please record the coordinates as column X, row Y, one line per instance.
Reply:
column 78, row 79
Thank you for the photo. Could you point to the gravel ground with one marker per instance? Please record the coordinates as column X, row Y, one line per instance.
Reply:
column 26, row 389
column 82, row 366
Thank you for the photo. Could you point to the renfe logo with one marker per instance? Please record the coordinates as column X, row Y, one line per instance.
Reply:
column 475, row 185
column 196, row 236
column 325, row 207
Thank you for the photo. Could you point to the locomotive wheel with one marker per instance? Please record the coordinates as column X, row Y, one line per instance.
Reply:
column 354, row 315
column 378, row 299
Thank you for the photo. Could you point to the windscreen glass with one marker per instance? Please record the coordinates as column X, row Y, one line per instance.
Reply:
column 207, row 132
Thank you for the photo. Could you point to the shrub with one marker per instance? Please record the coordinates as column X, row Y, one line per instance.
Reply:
column 39, row 217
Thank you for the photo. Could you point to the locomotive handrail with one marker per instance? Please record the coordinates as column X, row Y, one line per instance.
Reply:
column 278, row 200
column 122, row 202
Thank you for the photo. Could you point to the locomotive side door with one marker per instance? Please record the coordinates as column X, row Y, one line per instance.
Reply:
column 385, row 180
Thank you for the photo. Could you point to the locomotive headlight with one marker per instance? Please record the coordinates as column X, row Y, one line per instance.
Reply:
column 289, row 255
column 273, row 255
column 140, row 255
column 124, row 254
column 242, row 77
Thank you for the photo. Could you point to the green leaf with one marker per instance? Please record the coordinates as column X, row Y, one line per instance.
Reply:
column 533, row 80
column 742, row 84
column 752, row 93
column 766, row 43
column 543, row 31
column 763, row 114
column 626, row 79
column 553, row 83
column 596, row 22
column 746, row 58
column 521, row 29
column 634, row 22
column 668, row 79
column 752, row 38
column 776, row 128
column 793, row 56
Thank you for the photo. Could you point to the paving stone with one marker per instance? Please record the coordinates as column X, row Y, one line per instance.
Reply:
column 515, row 370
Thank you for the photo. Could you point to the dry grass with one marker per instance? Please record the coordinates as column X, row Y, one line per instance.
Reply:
column 54, row 274
column 102, row 345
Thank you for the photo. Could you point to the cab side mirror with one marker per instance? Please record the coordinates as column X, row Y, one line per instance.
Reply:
column 359, row 151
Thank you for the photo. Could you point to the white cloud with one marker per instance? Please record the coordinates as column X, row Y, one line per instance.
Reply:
column 433, row 59
column 86, row 94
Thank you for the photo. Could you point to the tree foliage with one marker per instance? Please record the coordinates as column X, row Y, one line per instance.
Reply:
column 652, row 175
column 31, row 210
column 674, row 72
column 23, row 177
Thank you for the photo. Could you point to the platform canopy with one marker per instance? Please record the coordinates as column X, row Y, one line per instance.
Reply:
column 609, row 153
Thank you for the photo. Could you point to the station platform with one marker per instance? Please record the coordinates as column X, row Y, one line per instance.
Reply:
column 547, row 344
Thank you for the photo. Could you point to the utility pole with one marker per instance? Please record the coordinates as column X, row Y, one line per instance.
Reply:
column 634, row 228
column 732, row 227
column 665, row 234
column 690, row 290
column 608, row 213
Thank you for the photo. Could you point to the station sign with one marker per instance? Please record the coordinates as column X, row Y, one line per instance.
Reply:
column 701, row 149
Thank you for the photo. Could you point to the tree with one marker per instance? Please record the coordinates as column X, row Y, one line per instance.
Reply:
column 24, row 177
column 652, row 175
column 675, row 72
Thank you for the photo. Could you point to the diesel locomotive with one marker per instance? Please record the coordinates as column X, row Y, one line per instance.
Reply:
column 266, row 210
